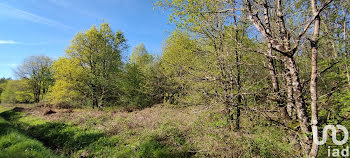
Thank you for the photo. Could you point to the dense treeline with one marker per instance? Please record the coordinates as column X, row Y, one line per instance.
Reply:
column 277, row 63
column 91, row 73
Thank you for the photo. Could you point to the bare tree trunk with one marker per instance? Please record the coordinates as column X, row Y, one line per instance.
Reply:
column 272, row 72
column 271, row 64
column 282, row 44
column 313, row 82
column 272, row 68
column 299, row 104
column 290, row 99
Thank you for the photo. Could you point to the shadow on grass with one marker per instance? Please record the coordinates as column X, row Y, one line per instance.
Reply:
column 14, row 143
column 68, row 139
column 13, row 114
column 154, row 148
column 57, row 136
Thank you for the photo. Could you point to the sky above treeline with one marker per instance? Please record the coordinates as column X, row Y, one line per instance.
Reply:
column 46, row 27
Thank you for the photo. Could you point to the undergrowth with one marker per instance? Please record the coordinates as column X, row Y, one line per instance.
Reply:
column 78, row 141
column 154, row 132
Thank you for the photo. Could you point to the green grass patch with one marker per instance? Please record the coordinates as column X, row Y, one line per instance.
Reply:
column 14, row 142
column 31, row 121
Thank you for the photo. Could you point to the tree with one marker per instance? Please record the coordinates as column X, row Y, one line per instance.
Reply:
column 93, row 60
column 223, row 39
column 69, row 88
column 183, row 66
column 284, row 47
column 17, row 91
column 37, row 69
column 140, row 56
column 138, row 87
column 134, row 89
column 283, row 43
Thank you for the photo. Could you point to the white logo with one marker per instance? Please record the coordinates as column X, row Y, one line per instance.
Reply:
column 334, row 135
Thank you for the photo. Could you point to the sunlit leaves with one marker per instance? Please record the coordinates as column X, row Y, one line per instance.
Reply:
column 92, row 66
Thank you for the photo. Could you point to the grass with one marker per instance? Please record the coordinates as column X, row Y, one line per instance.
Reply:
column 159, row 131
column 81, row 141
column 14, row 142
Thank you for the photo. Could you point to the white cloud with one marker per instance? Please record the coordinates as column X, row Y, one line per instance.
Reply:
column 21, row 14
column 13, row 65
column 8, row 42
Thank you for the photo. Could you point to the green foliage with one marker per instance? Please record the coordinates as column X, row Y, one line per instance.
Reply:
column 189, row 14
column 91, row 68
column 269, row 142
column 68, row 85
column 178, row 53
column 6, row 96
column 143, row 81
column 17, row 91
column 134, row 90
column 180, row 61
column 140, row 56
column 3, row 82
column 207, row 60
column 37, row 69
column 152, row 148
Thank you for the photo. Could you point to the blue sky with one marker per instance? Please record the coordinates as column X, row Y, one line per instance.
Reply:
column 45, row 27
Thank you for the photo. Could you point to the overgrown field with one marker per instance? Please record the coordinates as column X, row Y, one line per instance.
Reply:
column 160, row 131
